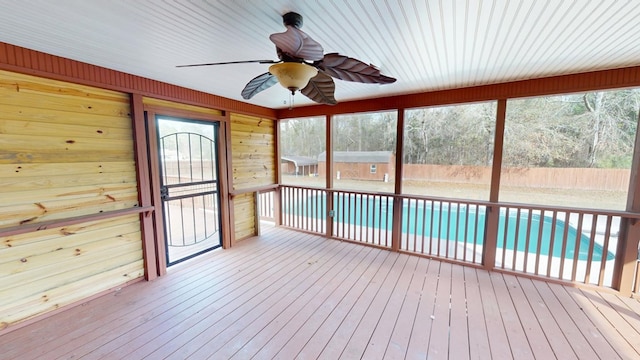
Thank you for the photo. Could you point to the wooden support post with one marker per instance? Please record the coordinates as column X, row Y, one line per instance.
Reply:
column 158, row 219
column 329, row 175
column 226, row 199
column 624, row 271
column 277, row 215
column 396, row 229
column 277, row 206
column 493, row 210
column 149, row 251
column 256, row 218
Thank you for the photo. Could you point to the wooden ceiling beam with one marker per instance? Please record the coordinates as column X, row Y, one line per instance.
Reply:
column 561, row 84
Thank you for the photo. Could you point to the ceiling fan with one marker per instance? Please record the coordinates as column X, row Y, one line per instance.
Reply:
column 304, row 66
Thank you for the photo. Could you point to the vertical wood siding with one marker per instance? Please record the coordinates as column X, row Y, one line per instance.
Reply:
column 67, row 151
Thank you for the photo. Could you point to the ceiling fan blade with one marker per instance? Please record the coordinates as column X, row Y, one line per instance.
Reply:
column 350, row 69
column 257, row 84
column 320, row 89
column 296, row 43
column 233, row 62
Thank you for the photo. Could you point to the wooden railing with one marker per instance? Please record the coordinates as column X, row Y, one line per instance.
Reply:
column 443, row 228
column 565, row 244
column 573, row 245
column 266, row 204
column 304, row 208
column 362, row 217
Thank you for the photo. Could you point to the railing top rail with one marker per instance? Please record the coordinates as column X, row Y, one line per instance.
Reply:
column 620, row 213
column 259, row 189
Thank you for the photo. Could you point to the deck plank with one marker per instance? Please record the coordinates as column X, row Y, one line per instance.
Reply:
column 388, row 322
column 547, row 325
column 375, row 306
column 498, row 341
column 292, row 336
column 459, row 333
column 518, row 342
column 606, row 317
column 419, row 340
column 249, row 298
column 254, row 336
column 439, row 340
column 290, row 294
column 338, row 342
column 625, row 311
column 589, row 330
column 181, row 311
column 478, row 336
column 530, row 321
column 580, row 347
column 399, row 341
column 316, row 339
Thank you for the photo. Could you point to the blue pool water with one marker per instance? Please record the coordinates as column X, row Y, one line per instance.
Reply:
column 458, row 223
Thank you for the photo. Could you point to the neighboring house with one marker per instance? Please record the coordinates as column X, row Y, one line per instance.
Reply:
column 298, row 165
column 360, row 165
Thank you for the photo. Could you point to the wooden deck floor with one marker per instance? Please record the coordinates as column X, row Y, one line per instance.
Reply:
column 293, row 295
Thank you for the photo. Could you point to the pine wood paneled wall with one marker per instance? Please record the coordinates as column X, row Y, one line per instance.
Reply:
column 16, row 58
column 253, row 165
column 244, row 216
column 253, row 151
column 67, row 151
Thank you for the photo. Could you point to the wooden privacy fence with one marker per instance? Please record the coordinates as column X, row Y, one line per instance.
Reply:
column 556, row 178
column 565, row 244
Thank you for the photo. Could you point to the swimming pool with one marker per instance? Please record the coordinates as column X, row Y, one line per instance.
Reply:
column 439, row 220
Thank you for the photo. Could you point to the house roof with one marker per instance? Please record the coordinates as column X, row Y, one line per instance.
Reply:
column 426, row 45
column 300, row 160
column 358, row 156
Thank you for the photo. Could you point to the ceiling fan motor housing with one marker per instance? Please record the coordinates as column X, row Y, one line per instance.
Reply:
column 292, row 19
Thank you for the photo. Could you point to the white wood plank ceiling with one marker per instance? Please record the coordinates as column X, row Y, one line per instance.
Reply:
column 425, row 44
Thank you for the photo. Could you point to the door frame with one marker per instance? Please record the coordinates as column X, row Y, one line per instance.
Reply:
column 151, row 112
column 166, row 188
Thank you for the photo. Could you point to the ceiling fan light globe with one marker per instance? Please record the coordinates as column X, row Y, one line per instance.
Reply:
column 293, row 76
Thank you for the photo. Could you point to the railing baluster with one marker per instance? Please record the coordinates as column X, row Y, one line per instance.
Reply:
column 516, row 240
column 424, row 226
column 563, row 254
column 505, row 234
column 576, row 249
column 379, row 207
column 350, row 216
column 527, row 241
column 386, row 223
column 539, row 244
column 466, row 232
column 594, row 226
column 342, row 197
column 477, row 233
column 455, row 233
column 605, row 250
column 563, row 251
column 415, row 225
